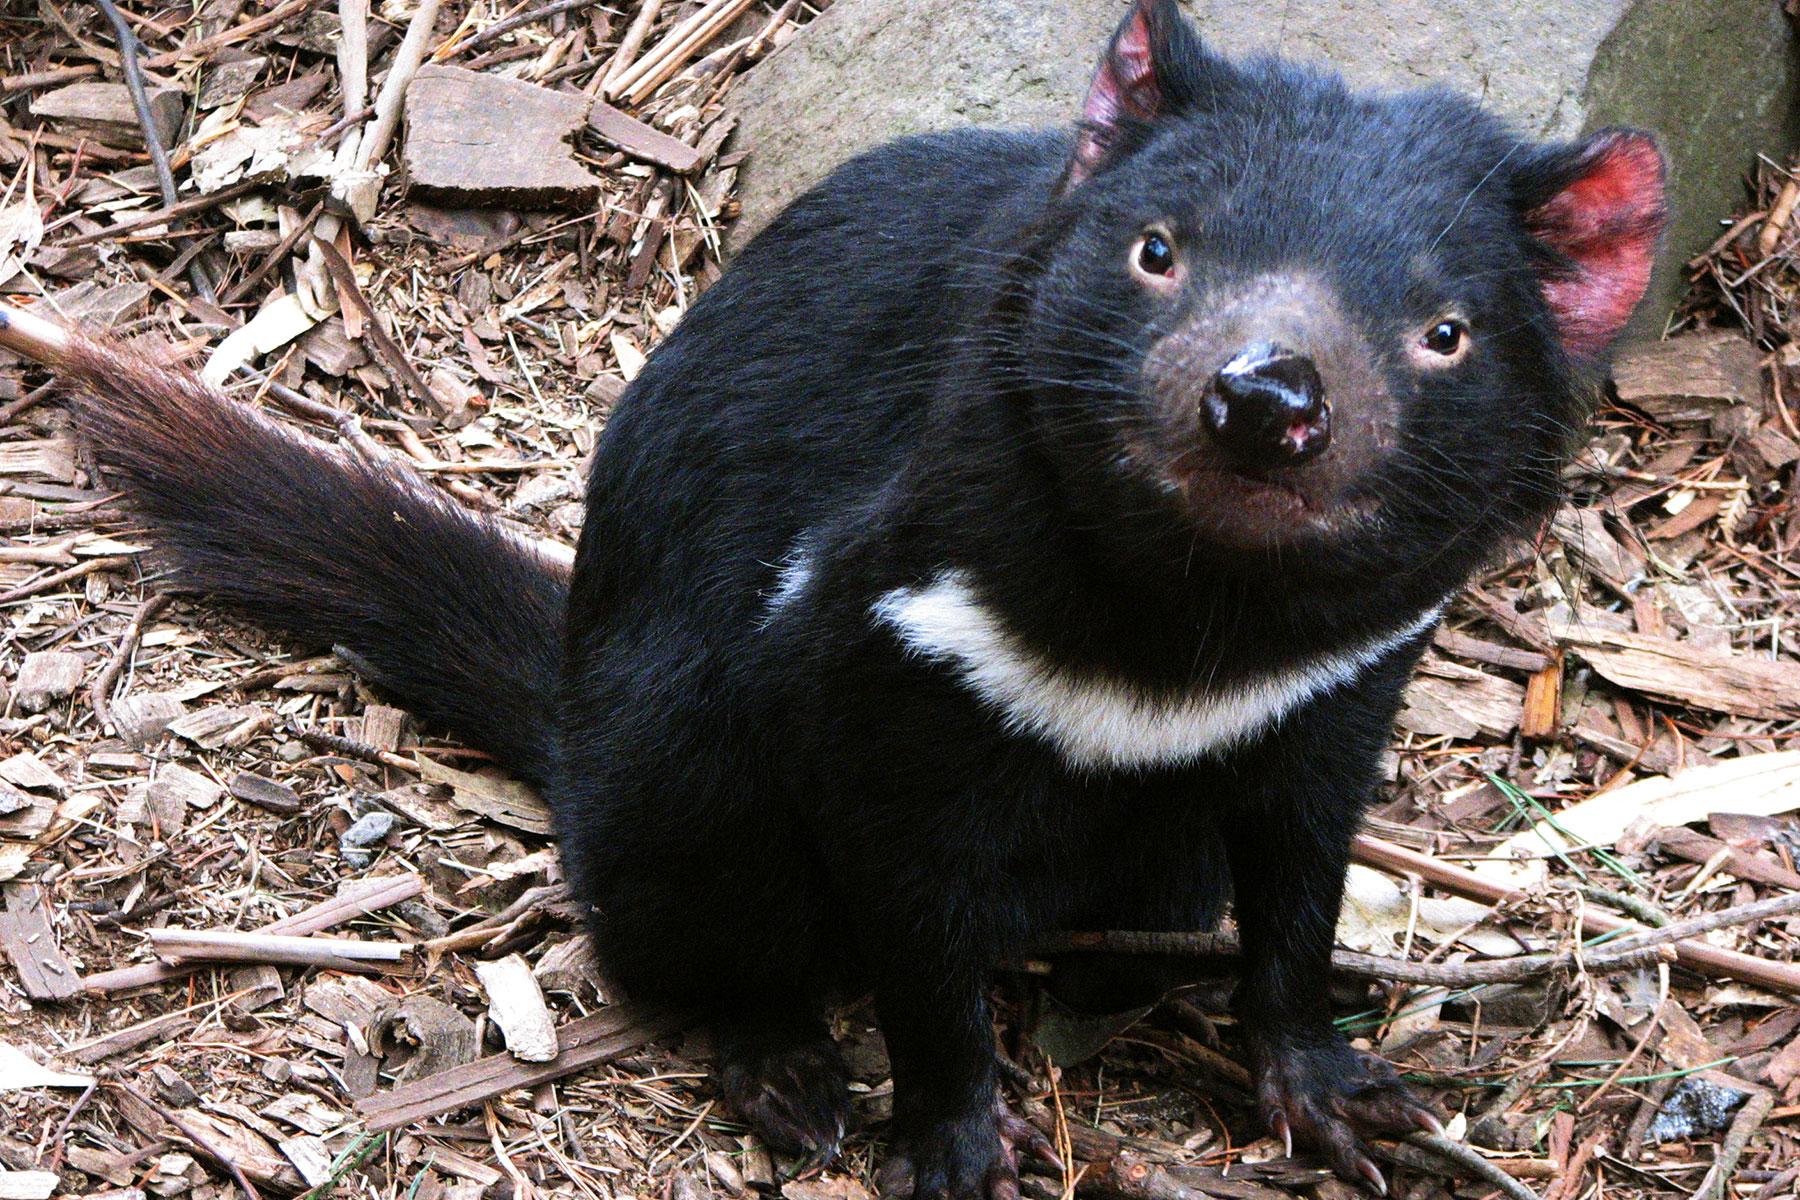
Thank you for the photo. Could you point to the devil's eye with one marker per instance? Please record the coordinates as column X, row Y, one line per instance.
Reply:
column 1155, row 256
column 1446, row 338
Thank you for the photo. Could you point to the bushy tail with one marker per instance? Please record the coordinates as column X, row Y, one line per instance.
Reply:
column 455, row 616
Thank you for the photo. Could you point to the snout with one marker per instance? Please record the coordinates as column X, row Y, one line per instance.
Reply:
column 1267, row 408
column 1272, row 412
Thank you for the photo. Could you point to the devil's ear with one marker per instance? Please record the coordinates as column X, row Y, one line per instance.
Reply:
column 1151, row 68
column 1598, row 208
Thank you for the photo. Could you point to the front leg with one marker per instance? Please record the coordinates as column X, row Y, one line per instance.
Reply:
column 1289, row 846
column 954, row 1138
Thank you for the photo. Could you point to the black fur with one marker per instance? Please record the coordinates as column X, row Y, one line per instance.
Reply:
column 940, row 359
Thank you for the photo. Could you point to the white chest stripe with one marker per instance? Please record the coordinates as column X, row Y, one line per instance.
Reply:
column 1092, row 720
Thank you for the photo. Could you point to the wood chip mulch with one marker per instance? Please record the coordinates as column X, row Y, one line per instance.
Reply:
column 264, row 935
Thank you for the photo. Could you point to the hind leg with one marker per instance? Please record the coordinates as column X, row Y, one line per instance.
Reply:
column 715, row 912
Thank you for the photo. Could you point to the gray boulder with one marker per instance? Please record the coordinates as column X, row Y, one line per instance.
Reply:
column 1716, row 78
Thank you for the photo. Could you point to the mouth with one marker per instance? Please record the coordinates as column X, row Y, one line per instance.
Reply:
column 1243, row 508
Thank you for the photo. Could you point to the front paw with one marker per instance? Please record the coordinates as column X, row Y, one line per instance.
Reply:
column 975, row 1157
column 1315, row 1089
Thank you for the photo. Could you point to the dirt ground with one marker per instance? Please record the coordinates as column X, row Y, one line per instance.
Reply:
column 1627, row 687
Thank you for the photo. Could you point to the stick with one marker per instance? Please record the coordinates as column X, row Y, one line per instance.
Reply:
column 1747, row 1122
column 100, row 695
column 600, row 1038
column 680, row 55
column 282, row 249
column 229, row 37
column 170, row 211
column 629, row 45
column 345, row 278
column 1696, row 956
column 500, row 28
column 1607, row 961
column 52, row 582
column 223, row 945
column 1466, row 1158
column 188, row 1132
column 364, row 897
column 159, row 157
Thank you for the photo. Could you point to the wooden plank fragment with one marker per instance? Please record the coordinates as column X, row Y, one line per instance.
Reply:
column 581, row 1044
column 30, row 942
column 28, row 1185
column 642, row 141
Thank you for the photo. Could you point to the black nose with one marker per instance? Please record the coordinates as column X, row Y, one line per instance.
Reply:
column 1266, row 408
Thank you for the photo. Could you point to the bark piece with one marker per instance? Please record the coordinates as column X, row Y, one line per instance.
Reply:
column 516, row 1004
column 1669, row 670
column 104, row 112
column 265, row 793
column 477, row 139
column 1690, row 379
column 30, row 942
column 143, row 719
column 46, row 677
column 642, row 141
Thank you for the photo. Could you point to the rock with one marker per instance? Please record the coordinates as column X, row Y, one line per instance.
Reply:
column 46, row 677
column 369, row 830
column 1717, row 80
column 104, row 112
column 477, row 139
column 1697, row 1108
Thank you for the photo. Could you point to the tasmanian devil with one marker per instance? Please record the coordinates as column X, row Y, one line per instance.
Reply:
column 1028, row 531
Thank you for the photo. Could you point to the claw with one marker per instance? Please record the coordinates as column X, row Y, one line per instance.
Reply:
column 1369, row 1171
column 1284, row 1131
column 1044, row 1152
column 1428, row 1121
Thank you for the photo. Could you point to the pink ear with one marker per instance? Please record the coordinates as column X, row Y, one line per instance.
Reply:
column 1604, row 222
column 1125, row 88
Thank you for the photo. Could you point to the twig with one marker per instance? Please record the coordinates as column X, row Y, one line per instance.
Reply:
column 52, row 582
column 619, row 1029
column 188, row 1131
column 673, row 52
column 1466, row 1158
column 501, row 28
column 99, row 696
column 332, row 743
column 36, row 395
column 159, row 156
column 345, row 279
column 227, row 945
column 230, row 37
column 34, row 80
column 359, row 899
column 629, row 45
column 1364, row 966
column 282, row 249
column 171, row 211
column 59, row 1142
column 1694, row 955
column 1747, row 1122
